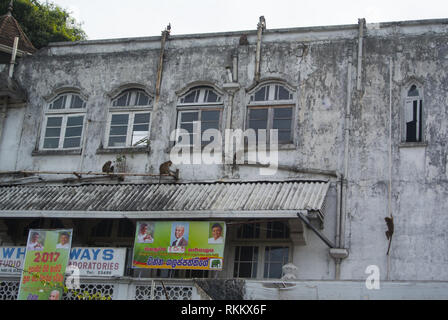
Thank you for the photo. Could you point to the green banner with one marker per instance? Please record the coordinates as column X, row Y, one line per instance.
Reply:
column 196, row 245
column 47, row 254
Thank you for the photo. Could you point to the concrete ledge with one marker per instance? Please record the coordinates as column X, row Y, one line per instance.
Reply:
column 347, row 290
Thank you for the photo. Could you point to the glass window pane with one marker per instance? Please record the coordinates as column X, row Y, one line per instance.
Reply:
column 187, row 126
column 118, row 130
column 283, row 113
column 282, row 124
column 273, row 270
column 262, row 94
column 77, row 102
column 209, row 125
column 249, row 231
column 139, row 138
column 141, row 127
column 284, row 136
column 258, row 124
column 258, row 114
column 189, row 116
column 210, row 115
column 277, row 230
column 119, row 141
column 122, row 101
column 141, row 118
column 72, row 142
column 143, row 99
column 59, row 103
column 211, row 96
column 54, row 121
column 245, row 270
column 120, row 119
column 192, row 97
column 275, row 258
column 73, row 132
column 75, row 121
column 278, row 254
column 51, row 143
column 282, row 93
column 52, row 132
column 246, row 254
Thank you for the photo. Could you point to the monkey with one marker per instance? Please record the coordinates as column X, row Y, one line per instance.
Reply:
column 108, row 167
column 165, row 169
column 390, row 230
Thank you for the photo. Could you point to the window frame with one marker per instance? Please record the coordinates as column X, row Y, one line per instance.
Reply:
column 65, row 113
column 131, row 111
column 420, row 114
column 199, row 106
column 129, row 130
column 261, row 242
column 270, row 105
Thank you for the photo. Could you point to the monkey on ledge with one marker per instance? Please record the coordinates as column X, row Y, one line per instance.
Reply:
column 164, row 169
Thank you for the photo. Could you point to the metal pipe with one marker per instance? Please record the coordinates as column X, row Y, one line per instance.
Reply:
column 294, row 169
column 13, row 56
column 361, row 23
column 2, row 118
column 347, row 128
column 317, row 232
column 235, row 66
column 24, row 172
column 338, row 212
column 84, row 142
column 261, row 26
column 165, row 34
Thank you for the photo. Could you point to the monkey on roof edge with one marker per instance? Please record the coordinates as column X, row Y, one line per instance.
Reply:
column 164, row 169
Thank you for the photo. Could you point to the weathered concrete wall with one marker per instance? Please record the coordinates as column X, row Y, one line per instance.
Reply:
column 315, row 63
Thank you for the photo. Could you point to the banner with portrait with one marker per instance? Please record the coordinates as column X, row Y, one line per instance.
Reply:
column 46, row 257
column 195, row 245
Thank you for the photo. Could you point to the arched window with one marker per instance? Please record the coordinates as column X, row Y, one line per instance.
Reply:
column 129, row 119
column 200, row 106
column 64, row 122
column 271, row 106
column 413, row 115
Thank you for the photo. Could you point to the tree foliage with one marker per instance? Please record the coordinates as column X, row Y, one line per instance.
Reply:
column 44, row 22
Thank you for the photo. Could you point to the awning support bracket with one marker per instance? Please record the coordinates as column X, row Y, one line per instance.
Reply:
column 317, row 232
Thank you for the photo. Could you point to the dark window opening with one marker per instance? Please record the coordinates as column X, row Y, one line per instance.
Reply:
column 245, row 262
column 103, row 228
column 249, row 231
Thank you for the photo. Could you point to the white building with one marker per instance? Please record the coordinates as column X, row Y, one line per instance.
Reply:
column 361, row 114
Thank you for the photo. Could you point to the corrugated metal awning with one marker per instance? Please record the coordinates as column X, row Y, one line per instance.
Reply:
column 180, row 200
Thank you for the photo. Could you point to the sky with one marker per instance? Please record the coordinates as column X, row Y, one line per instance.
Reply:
column 108, row 19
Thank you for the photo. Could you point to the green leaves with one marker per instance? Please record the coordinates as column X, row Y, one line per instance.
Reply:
column 44, row 22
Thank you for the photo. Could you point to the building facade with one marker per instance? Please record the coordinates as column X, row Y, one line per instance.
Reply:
column 361, row 117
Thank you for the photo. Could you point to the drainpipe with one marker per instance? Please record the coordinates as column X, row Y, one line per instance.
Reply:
column 84, row 142
column 340, row 252
column 13, row 56
column 361, row 24
column 165, row 34
column 347, row 128
column 11, row 72
column 3, row 117
column 235, row 66
column 231, row 87
column 261, row 26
